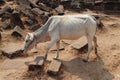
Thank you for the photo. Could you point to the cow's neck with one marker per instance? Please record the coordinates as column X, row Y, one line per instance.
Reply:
column 42, row 37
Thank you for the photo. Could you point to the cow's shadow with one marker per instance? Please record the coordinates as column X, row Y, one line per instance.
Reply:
column 92, row 70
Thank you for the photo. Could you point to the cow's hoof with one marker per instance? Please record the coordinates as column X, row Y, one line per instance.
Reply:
column 85, row 60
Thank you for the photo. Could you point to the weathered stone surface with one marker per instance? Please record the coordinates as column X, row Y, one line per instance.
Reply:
column 75, row 5
column 2, row 2
column 37, row 11
column 5, row 16
column 1, row 13
column 60, row 10
column 12, row 50
column 0, row 37
column 5, row 35
column 69, row 42
column 80, row 43
column 11, row 64
column 6, row 25
column 37, row 64
column 16, row 20
column 29, row 22
column 18, row 32
column 44, row 7
column 113, row 24
column 55, row 49
column 7, row 9
column 35, row 27
column 44, row 18
column 54, row 67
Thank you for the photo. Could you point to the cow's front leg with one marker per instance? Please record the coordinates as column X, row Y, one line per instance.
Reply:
column 48, row 47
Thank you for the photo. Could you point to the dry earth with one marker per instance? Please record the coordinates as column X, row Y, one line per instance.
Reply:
column 105, row 68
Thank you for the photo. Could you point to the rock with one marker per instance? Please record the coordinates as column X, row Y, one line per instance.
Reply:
column 5, row 12
column 113, row 24
column 66, row 3
column 0, row 37
column 33, row 3
column 12, row 50
column 5, row 35
column 29, row 22
column 34, row 50
column 7, row 9
column 80, row 43
column 75, row 4
column 44, row 7
column 18, row 32
column 6, row 25
column 69, row 42
column 60, row 10
column 2, row 2
column 37, row 11
column 55, row 49
column 51, row 3
column 16, row 20
column 54, row 67
column 25, row 4
column 5, row 16
column 48, row 14
column 44, row 18
column 53, row 12
column 37, row 64
column 1, row 13
column 35, row 27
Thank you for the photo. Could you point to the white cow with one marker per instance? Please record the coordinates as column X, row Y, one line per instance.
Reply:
column 69, row 27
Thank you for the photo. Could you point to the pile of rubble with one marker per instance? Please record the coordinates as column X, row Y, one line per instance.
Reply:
column 17, row 14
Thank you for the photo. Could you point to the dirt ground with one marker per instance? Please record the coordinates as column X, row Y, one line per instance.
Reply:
column 73, row 68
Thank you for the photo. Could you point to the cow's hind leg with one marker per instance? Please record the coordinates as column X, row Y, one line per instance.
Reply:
column 90, row 39
column 95, row 44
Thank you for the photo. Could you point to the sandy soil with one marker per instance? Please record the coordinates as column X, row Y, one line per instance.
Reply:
column 105, row 68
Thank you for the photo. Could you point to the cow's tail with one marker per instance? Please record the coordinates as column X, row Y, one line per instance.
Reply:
column 98, row 21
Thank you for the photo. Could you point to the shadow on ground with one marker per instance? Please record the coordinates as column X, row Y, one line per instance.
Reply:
column 93, row 70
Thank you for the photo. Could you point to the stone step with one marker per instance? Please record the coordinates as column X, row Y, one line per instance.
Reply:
column 80, row 43
column 54, row 67
column 36, row 64
column 12, row 50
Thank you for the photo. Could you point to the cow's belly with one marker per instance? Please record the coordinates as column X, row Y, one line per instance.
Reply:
column 72, row 33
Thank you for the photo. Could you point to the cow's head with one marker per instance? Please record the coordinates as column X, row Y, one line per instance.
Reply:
column 29, row 42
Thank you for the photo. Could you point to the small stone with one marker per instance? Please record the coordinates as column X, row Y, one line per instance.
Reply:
column 54, row 67
column 80, row 43
column 18, row 32
column 0, row 37
column 29, row 22
column 37, row 11
column 60, row 10
column 55, row 49
column 12, row 50
column 6, row 26
column 37, row 64
column 35, row 27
